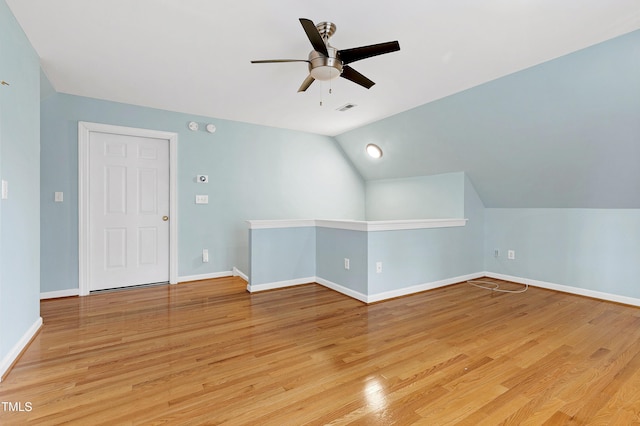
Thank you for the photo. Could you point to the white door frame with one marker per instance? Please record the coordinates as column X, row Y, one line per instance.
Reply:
column 84, row 132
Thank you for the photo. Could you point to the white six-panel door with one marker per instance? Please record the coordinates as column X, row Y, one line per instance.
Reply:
column 128, row 211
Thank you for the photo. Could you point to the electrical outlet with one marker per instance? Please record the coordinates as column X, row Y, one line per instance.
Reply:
column 511, row 255
column 346, row 263
column 202, row 199
column 205, row 255
column 378, row 267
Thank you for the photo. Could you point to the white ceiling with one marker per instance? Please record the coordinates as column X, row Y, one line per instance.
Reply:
column 193, row 56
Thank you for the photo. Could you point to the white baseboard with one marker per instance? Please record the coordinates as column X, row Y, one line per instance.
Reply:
column 341, row 289
column 421, row 287
column 567, row 289
column 17, row 349
column 75, row 292
column 308, row 280
column 280, row 284
column 59, row 293
column 441, row 283
column 238, row 273
column 360, row 296
column 221, row 274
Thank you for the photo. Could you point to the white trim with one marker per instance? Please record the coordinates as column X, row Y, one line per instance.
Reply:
column 59, row 293
column 17, row 349
column 359, row 225
column 405, row 291
column 397, row 225
column 568, row 289
column 173, row 208
column 83, row 210
column 422, row 287
column 210, row 276
column 288, row 223
column 360, row 296
column 280, row 284
column 84, row 132
column 238, row 273
column 349, row 225
column 342, row 289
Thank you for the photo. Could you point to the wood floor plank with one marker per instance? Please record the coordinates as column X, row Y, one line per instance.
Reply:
column 208, row 352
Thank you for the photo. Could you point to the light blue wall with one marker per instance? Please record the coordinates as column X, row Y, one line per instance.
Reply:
column 417, row 256
column 422, row 256
column 282, row 254
column 433, row 197
column 474, row 234
column 409, row 257
column 562, row 134
column 586, row 248
column 20, row 167
column 332, row 247
column 255, row 172
column 46, row 88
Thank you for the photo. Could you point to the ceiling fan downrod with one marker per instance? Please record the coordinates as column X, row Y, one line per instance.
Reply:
column 326, row 30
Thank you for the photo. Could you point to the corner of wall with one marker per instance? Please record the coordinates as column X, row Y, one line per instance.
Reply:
column 46, row 88
column 348, row 160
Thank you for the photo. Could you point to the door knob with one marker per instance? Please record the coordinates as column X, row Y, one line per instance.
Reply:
column 165, row 218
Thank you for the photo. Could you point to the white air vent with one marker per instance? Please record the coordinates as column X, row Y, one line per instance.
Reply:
column 346, row 107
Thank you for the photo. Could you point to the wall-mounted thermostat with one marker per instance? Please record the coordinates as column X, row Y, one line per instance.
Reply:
column 203, row 178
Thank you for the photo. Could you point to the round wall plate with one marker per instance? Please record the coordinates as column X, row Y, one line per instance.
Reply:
column 193, row 126
column 211, row 128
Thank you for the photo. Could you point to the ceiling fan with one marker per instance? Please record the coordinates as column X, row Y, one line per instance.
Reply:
column 326, row 62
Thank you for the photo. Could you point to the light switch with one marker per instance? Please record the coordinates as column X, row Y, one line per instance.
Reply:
column 202, row 199
column 5, row 189
column 59, row 197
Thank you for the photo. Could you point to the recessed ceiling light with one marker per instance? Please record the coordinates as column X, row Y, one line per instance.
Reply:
column 374, row 151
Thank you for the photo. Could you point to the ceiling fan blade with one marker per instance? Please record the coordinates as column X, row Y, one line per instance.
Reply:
column 353, row 75
column 306, row 83
column 314, row 36
column 351, row 55
column 270, row 61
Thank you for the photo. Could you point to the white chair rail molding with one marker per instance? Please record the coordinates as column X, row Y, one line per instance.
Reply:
column 367, row 260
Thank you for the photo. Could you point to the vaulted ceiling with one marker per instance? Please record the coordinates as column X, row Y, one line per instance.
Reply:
column 565, row 133
column 194, row 56
column 537, row 101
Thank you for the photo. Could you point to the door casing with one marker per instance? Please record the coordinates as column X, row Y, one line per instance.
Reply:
column 84, row 134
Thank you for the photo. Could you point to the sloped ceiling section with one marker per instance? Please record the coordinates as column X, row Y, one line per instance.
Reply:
column 565, row 133
column 193, row 56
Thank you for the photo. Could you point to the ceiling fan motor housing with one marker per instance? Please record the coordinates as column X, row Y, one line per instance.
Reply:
column 325, row 67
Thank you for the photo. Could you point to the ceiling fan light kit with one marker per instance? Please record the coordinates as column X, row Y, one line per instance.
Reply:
column 326, row 62
column 324, row 68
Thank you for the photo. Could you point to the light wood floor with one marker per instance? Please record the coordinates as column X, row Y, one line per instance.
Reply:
column 209, row 352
